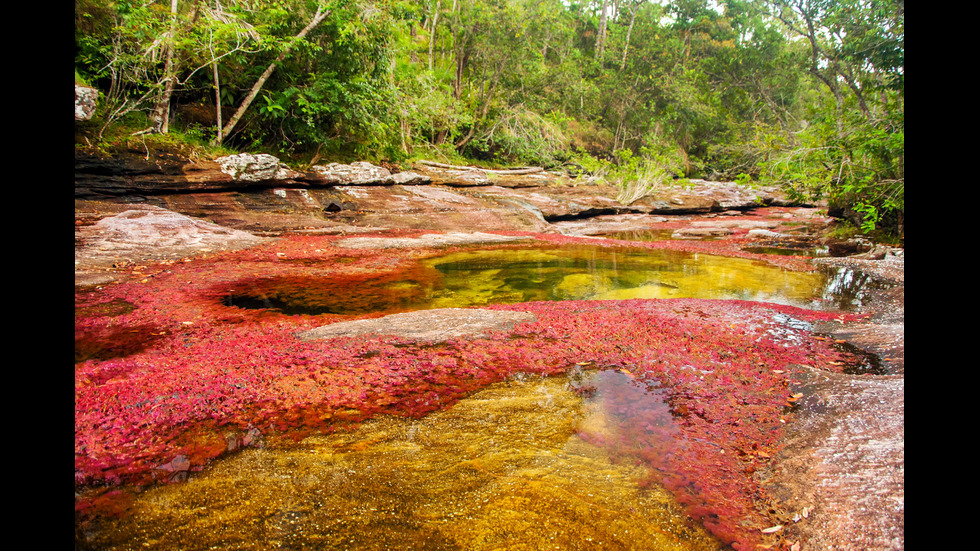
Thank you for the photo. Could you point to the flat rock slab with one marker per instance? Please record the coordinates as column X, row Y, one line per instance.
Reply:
column 436, row 325
column 427, row 240
column 608, row 223
column 153, row 233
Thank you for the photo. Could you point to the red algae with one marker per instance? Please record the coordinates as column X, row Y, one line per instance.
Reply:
column 217, row 378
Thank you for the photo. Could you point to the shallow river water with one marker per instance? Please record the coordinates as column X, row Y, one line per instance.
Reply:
column 480, row 277
column 503, row 469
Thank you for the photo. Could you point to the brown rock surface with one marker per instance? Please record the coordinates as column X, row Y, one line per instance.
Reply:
column 843, row 463
column 435, row 325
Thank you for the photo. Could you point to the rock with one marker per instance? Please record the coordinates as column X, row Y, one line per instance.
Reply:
column 700, row 233
column 151, row 233
column 258, row 193
column 86, row 100
column 609, row 223
column 355, row 174
column 554, row 203
column 248, row 167
column 432, row 208
column 454, row 177
column 363, row 174
column 143, row 174
column 852, row 246
column 435, row 325
column 410, row 178
column 767, row 234
column 674, row 202
column 427, row 240
column 844, row 459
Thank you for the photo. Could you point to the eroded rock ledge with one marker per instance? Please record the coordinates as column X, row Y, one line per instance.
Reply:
column 259, row 193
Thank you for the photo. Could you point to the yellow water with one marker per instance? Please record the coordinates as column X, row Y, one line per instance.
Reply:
column 575, row 273
column 502, row 469
column 511, row 275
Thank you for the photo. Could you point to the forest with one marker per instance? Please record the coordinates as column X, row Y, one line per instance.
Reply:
column 806, row 94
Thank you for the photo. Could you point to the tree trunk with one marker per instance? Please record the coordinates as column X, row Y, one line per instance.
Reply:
column 600, row 42
column 432, row 33
column 486, row 104
column 318, row 18
column 629, row 33
column 160, row 116
column 217, row 104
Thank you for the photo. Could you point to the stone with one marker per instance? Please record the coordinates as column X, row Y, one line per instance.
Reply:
column 410, row 178
column 437, row 325
column 427, row 240
column 454, row 177
column 248, row 167
column 700, row 233
column 358, row 173
column 152, row 233
column 86, row 100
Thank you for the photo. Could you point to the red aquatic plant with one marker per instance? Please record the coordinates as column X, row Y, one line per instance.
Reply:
column 216, row 378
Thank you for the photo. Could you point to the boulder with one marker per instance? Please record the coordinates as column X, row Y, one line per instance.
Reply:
column 86, row 100
column 362, row 173
column 355, row 174
column 248, row 168
column 454, row 177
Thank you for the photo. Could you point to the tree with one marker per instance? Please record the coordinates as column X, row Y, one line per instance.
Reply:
column 321, row 13
column 852, row 148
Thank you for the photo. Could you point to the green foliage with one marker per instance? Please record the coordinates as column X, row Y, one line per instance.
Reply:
column 853, row 162
column 744, row 90
column 635, row 175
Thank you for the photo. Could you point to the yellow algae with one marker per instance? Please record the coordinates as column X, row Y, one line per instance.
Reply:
column 502, row 469
column 581, row 285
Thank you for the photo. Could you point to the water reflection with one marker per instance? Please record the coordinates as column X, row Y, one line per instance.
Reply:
column 514, row 466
